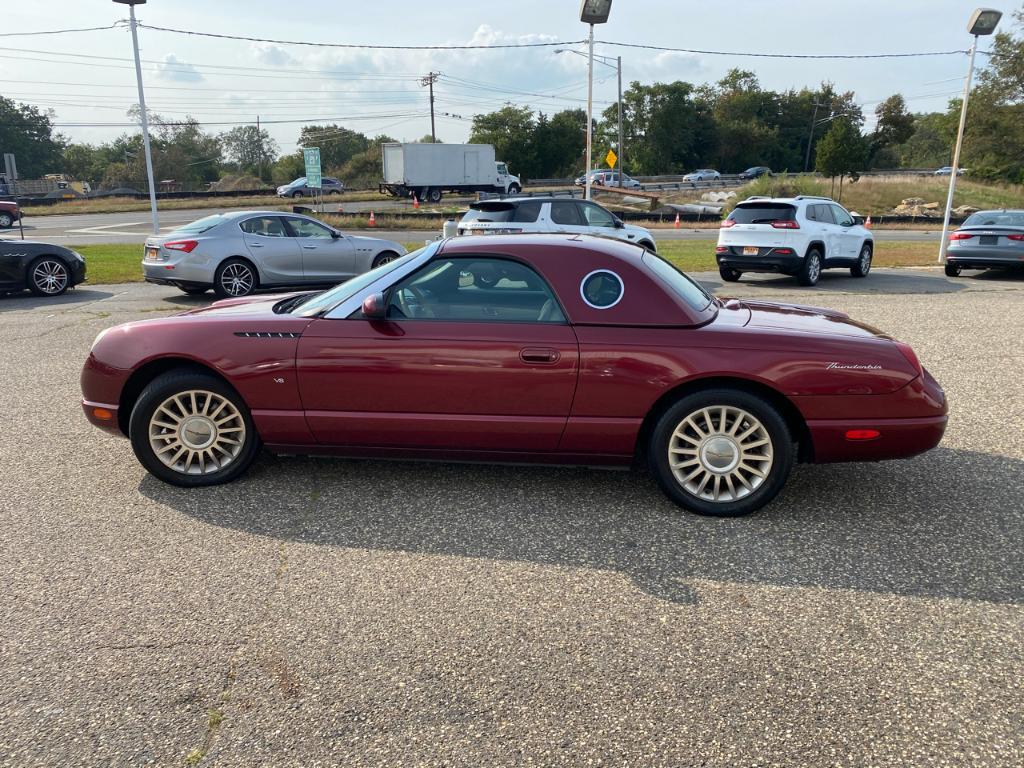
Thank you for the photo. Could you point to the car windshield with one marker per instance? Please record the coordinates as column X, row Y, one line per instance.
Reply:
column 300, row 182
column 201, row 225
column 681, row 284
column 321, row 302
column 995, row 219
column 762, row 213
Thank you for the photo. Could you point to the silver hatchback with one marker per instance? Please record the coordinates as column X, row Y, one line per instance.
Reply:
column 239, row 252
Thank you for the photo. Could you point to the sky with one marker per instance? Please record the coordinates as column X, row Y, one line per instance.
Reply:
column 88, row 77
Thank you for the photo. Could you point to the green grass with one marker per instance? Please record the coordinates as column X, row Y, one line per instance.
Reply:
column 122, row 263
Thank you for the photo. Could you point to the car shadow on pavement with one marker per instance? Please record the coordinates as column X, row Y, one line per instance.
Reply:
column 24, row 300
column 901, row 281
column 948, row 524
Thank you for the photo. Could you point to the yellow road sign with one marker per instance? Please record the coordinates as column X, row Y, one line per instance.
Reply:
column 611, row 158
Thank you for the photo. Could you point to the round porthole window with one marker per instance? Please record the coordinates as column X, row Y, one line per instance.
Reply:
column 602, row 289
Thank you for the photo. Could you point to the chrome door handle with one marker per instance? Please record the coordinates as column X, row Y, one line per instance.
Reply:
column 309, row 247
column 255, row 245
column 540, row 355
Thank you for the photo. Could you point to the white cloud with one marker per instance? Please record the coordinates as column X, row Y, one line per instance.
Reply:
column 273, row 55
column 178, row 71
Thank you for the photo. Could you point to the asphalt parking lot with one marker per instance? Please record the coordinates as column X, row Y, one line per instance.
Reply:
column 335, row 612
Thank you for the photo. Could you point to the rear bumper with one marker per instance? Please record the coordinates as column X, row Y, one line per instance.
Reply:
column 182, row 273
column 898, row 438
column 983, row 258
column 769, row 262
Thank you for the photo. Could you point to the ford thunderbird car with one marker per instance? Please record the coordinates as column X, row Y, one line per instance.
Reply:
column 522, row 348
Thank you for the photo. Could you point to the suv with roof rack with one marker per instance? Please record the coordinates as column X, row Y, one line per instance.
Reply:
column 797, row 236
column 515, row 215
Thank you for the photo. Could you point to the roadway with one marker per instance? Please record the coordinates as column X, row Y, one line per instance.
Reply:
column 134, row 227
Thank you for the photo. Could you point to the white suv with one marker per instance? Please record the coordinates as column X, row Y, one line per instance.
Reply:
column 550, row 215
column 793, row 235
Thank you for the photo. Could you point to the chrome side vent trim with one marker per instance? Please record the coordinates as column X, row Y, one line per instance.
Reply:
column 267, row 334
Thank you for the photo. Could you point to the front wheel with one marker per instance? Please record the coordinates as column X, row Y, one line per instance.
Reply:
column 729, row 274
column 235, row 278
column 296, row 194
column 810, row 270
column 191, row 429
column 48, row 276
column 721, row 452
column 953, row 270
column 514, row 189
column 6, row 221
column 863, row 265
column 384, row 258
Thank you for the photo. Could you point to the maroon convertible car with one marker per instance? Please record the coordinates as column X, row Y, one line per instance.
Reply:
column 517, row 348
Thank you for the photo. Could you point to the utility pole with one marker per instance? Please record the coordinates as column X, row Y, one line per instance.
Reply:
column 429, row 81
column 810, row 136
column 259, row 160
column 142, row 110
column 622, row 153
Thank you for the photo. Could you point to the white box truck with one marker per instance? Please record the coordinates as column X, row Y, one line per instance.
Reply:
column 430, row 170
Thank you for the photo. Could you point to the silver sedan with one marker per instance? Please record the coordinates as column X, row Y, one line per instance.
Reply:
column 703, row 174
column 987, row 240
column 237, row 253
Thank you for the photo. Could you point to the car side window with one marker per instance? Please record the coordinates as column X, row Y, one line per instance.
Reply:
column 474, row 289
column 564, row 212
column 264, row 226
column 307, row 228
column 526, row 212
column 842, row 218
column 596, row 216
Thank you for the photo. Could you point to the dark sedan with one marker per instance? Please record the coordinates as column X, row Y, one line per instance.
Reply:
column 987, row 240
column 756, row 172
column 517, row 348
column 44, row 269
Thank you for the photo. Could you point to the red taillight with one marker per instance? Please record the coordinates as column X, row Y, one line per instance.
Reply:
column 862, row 434
column 721, row 249
column 1016, row 238
column 785, row 224
column 726, row 223
column 961, row 236
column 784, row 251
column 910, row 355
column 186, row 246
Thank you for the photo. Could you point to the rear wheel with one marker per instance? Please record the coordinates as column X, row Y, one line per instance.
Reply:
column 721, row 452
column 729, row 274
column 953, row 270
column 296, row 194
column 434, row 195
column 234, row 278
column 863, row 265
column 810, row 270
column 6, row 221
column 191, row 429
column 48, row 276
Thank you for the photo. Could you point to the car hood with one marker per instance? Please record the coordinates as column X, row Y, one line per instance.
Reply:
column 246, row 305
column 805, row 319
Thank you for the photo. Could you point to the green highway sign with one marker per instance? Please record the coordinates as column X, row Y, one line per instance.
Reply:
column 312, row 157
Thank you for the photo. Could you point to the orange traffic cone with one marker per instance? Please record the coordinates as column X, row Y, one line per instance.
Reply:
column 373, row 220
column 415, row 202
column 677, row 221
column 868, row 222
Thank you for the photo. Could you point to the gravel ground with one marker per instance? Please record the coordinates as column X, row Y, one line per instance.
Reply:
column 330, row 612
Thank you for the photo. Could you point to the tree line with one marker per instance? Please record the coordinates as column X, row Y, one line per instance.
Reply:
column 669, row 128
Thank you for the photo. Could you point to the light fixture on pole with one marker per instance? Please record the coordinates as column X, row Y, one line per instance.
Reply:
column 983, row 22
column 592, row 12
column 617, row 66
column 142, row 110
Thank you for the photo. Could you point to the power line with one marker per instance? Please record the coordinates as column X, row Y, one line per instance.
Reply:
column 494, row 46
column 781, row 55
column 59, row 31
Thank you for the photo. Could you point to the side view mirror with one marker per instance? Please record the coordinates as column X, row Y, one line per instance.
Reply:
column 619, row 223
column 858, row 220
column 335, row 234
column 374, row 307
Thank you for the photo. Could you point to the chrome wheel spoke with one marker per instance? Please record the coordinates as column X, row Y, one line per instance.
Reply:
column 197, row 432
column 720, row 453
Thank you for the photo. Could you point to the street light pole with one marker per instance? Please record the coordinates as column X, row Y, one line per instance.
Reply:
column 944, row 243
column 142, row 110
column 590, row 108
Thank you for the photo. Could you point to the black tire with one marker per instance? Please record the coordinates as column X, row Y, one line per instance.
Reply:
column 186, row 380
column 6, row 221
column 953, row 270
column 384, row 257
column 434, row 195
column 729, row 274
column 863, row 265
column 296, row 193
column 223, row 284
column 810, row 270
column 743, row 501
column 514, row 189
column 48, row 276
column 197, row 291
column 334, row 192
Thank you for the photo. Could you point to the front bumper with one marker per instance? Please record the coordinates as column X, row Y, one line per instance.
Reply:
column 77, row 273
column 767, row 260
column 102, row 415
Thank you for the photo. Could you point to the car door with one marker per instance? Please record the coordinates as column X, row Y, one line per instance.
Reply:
column 326, row 257
column 276, row 255
column 850, row 236
column 822, row 227
column 564, row 216
column 474, row 354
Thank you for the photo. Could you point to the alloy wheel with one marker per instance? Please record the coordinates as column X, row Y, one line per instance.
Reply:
column 50, row 277
column 237, row 280
column 865, row 260
column 814, row 269
column 720, row 453
column 196, row 432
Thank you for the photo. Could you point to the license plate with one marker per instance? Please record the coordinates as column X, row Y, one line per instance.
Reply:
column 990, row 240
column 478, row 231
column 151, row 254
column 750, row 250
